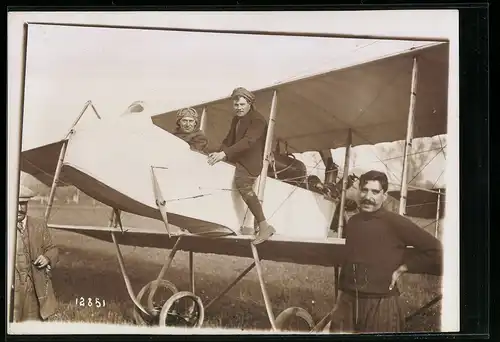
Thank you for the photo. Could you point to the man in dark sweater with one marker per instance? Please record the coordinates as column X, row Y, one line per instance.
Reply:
column 376, row 240
column 244, row 146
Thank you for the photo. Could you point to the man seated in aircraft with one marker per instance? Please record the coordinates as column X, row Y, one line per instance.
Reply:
column 188, row 129
column 331, row 190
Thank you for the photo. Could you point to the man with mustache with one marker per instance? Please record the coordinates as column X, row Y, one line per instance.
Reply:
column 36, row 255
column 189, row 131
column 376, row 240
column 244, row 145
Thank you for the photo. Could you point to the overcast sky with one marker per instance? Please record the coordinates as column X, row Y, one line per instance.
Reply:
column 66, row 66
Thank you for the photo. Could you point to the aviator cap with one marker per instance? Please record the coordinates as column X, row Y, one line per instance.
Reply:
column 242, row 92
column 190, row 112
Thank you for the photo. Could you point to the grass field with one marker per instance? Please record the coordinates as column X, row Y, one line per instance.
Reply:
column 89, row 268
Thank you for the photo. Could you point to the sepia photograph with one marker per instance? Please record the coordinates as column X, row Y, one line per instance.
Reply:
column 233, row 172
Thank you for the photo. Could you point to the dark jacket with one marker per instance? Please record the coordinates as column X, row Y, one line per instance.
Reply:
column 41, row 244
column 196, row 140
column 246, row 146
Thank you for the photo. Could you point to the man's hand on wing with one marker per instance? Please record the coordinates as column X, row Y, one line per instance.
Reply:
column 216, row 157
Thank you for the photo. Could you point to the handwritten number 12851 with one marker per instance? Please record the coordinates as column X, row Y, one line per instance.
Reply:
column 90, row 302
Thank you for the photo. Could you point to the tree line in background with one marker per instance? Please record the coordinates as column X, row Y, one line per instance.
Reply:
column 66, row 194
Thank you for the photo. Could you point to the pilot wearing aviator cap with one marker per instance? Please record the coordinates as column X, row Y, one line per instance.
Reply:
column 36, row 255
column 189, row 131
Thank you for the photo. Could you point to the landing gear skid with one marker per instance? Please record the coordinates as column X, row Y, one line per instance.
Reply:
column 153, row 310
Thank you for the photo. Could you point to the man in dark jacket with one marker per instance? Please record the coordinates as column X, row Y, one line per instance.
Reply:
column 376, row 240
column 244, row 145
column 188, row 129
column 36, row 255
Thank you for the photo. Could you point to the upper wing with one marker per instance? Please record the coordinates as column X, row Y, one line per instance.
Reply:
column 372, row 99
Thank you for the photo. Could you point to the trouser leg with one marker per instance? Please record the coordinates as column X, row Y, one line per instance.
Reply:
column 380, row 315
column 367, row 315
column 18, row 304
column 244, row 183
column 26, row 305
column 31, row 307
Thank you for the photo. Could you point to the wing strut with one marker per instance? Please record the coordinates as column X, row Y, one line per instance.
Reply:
column 52, row 194
column 160, row 202
column 344, row 182
column 438, row 214
column 268, row 148
column 409, row 138
column 203, row 120
column 336, row 270
column 260, row 194
column 62, row 155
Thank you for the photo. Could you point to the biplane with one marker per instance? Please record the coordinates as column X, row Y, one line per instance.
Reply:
column 132, row 163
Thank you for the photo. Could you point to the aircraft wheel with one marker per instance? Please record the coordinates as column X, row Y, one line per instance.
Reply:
column 153, row 308
column 285, row 318
column 175, row 312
